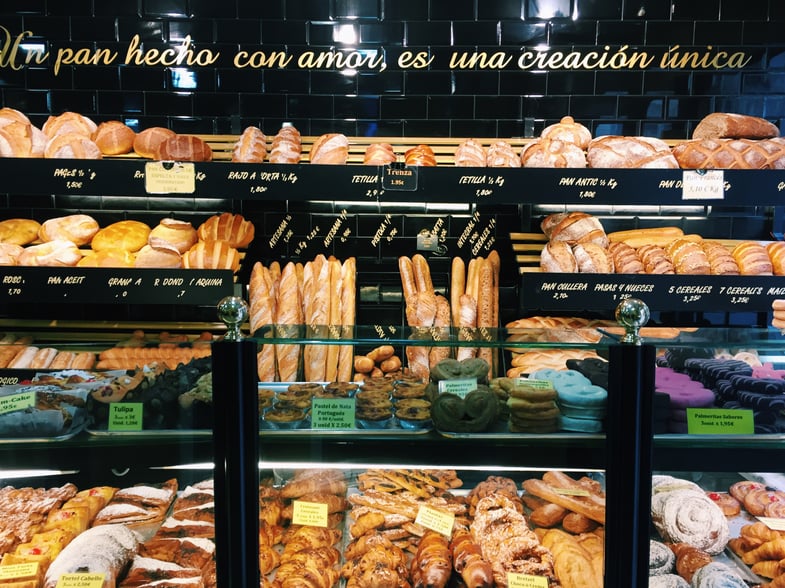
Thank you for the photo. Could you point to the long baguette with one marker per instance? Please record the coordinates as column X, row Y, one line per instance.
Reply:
column 574, row 503
column 616, row 236
column 457, row 287
column 659, row 240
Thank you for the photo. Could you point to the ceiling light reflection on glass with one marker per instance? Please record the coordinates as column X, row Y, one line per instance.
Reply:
column 345, row 34
column 183, row 79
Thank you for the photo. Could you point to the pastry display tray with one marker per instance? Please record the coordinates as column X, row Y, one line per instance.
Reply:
column 152, row 433
column 507, row 435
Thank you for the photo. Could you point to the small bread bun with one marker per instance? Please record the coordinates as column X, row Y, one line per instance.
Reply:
column 16, row 139
column 72, row 146
column 129, row 235
column 161, row 256
column 232, row 228
column 147, row 141
column 107, row 258
column 114, row 137
column 77, row 228
column 171, row 232
column 184, row 148
column 19, row 231
column 9, row 253
column 69, row 122
column 212, row 255
column 59, row 253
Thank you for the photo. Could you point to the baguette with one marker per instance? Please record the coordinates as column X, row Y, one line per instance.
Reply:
column 577, row 504
column 457, row 287
column 655, row 233
column 348, row 317
column 333, row 319
column 406, row 269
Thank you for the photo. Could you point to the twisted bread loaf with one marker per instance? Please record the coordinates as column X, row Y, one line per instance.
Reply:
column 379, row 154
column 421, row 155
column 731, row 154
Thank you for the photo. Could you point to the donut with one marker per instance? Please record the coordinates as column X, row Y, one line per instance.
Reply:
column 717, row 575
column 582, row 394
column 668, row 581
column 661, row 558
column 729, row 506
column 580, row 425
column 689, row 516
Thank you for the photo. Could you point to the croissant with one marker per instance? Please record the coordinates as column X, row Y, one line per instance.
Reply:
column 770, row 550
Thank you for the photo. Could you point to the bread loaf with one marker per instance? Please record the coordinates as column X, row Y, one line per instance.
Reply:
column 648, row 236
column 568, row 131
column 184, row 148
column 720, row 259
column 688, row 257
column 592, row 259
column 553, row 153
column 726, row 125
column 108, row 258
column 250, row 147
column 625, row 259
column 9, row 253
column 286, row 146
column 128, row 235
column 501, row 154
column 731, row 154
column 470, row 153
column 420, row 155
column 69, row 122
column 19, row 231
column 212, row 255
column 753, row 259
column 114, row 137
column 161, row 255
column 630, row 152
column 77, row 228
column 16, row 140
column 72, row 146
column 557, row 257
column 776, row 251
column 58, row 253
column 330, row 149
column 232, row 228
column 146, row 142
column 655, row 260
column 379, row 154
column 178, row 234
column 574, row 228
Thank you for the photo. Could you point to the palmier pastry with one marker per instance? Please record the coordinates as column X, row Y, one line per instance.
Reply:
column 251, row 147
column 128, row 235
column 77, row 228
column 114, row 137
column 420, row 155
column 232, row 228
column 569, row 131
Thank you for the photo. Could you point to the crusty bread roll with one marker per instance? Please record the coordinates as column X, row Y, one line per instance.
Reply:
column 753, row 259
column 625, row 259
column 720, row 259
column 330, row 149
column 162, row 255
column 630, row 152
column 552, row 153
column 19, row 231
column 592, row 259
column 574, row 227
column 77, row 228
column 114, row 137
column 184, row 148
column 776, row 251
column 557, row 257
column 232, row 228
column 688, row 257
column 731, row 154
column 470, row 153
column 69, row 122
column 420, row 155
column 501, row 154
column 59, row 253
column 286, row 146
column 569, row 131
column 16, row 140
column 215, row 254
column 129, row 235
column 727, row 125
column 9, row 253
column 72, row 146
column 250, row 147
column 379, row 154
column 108, row 258
column 8, row 115
column 147, row 141
column 655, row 260
column 171, row 232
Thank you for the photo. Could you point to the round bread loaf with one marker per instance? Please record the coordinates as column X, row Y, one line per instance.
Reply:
column 107, row 258
column 557, row 257
column 181, row 235
column 114, row 137
column 184, row 148
column 569, row 131
column 553, row 153
column 67, row 123
column 232, row 228
column 575, row 227
column 161, row 256
column 630, row 152
column 72, row 146
column 19, row 231
column 147, row 141
column 16, row 139
column 501, row 154
column 127, row 235
column 58, row 253
column 77, row 228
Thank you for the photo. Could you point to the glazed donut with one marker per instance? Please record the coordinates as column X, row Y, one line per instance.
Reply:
column 687, row 516
column 668, row 581
column 729, row 506
column 661, row 558
column 472, row 414
column 740, row 489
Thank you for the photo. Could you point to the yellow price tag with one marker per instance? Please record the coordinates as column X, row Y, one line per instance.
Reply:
column 524, row 581
column 311, row 514
column 167, row 177
column 22, row 570
column 80, row 581
column 435, row 520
